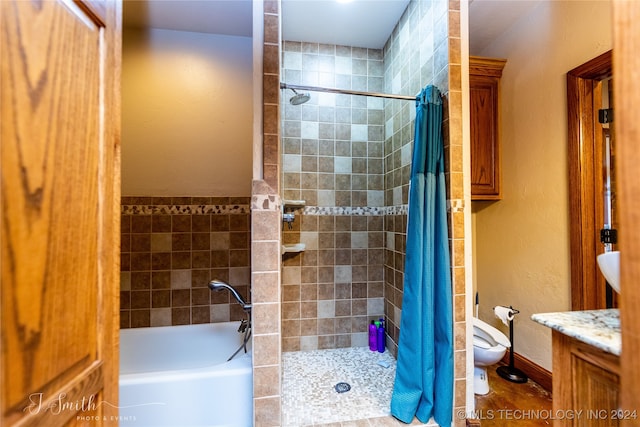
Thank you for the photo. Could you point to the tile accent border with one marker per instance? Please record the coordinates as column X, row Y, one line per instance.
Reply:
column 262, row 202
column 184, row 209
column 452, row 206
column 455, row 205
column 351, row 210
column 271, row 203
column 344, row 210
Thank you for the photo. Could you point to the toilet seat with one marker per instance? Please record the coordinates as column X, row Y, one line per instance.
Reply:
column 487, row 336
column 481, row 342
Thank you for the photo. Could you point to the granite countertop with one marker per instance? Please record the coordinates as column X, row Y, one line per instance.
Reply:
column 599, row 328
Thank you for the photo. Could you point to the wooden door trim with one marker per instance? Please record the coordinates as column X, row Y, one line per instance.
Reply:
column 583, row 96
column 109, row 239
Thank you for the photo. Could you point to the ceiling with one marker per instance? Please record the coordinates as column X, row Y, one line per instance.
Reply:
column 228, row 17
column 489, row 19
column 361, row 23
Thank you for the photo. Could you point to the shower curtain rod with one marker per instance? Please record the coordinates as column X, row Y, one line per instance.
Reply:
column 347, row 92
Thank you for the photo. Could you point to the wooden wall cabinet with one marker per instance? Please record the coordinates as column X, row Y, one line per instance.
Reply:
column 586, row 381
column 484, row 99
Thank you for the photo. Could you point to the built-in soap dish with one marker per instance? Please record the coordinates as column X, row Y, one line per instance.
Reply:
column 293, row 248
column 293, row 203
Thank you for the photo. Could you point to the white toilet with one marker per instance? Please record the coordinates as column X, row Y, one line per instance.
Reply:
column 489, row 346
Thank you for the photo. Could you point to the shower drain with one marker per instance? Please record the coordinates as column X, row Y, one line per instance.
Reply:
column 342, row 387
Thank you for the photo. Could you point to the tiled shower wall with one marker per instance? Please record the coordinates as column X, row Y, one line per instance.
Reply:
column 334, row 288
column 333, row 144
column 443, row 52
column 415, row 56
column 171, row 248
column 425, row 48
column 332, row 159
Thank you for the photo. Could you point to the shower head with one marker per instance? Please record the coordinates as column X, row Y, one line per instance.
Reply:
column 299, row 98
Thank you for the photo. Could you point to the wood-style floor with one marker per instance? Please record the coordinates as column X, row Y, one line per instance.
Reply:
column 511, row 404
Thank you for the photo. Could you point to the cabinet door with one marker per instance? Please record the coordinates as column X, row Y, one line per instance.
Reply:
column 595, row 393
column 586, row 381
column 485, row 150
column 59, row 227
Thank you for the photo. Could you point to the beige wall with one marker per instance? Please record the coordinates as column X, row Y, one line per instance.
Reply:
column 522, row 242
column 186, row 114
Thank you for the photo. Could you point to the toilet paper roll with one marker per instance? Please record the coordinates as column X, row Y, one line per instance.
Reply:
column 504, row 313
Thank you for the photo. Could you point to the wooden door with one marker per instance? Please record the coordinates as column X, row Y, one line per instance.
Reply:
column 60, row 130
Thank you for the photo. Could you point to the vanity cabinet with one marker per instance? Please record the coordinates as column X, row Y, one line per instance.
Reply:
column 484, row 102
column 586, row 383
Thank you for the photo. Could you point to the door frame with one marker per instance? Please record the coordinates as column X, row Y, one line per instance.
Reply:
column 584, row 98
column 626, row 41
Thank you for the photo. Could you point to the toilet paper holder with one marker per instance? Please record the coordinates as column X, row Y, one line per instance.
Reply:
column 506, row 314
column 510, row 372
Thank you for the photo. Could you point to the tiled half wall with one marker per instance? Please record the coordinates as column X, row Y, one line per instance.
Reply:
column 171, row 247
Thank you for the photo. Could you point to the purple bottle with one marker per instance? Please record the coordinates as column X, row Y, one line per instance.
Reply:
column 381, row 337
column 373, row 337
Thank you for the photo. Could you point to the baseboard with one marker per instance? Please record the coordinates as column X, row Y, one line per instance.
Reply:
column 534, row 371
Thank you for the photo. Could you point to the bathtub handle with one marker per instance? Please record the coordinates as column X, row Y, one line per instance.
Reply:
column 244, row 324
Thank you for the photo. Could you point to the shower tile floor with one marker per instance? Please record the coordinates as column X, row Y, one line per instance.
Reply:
column 310, row 399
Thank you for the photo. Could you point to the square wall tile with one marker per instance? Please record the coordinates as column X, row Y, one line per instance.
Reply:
column 177, row 248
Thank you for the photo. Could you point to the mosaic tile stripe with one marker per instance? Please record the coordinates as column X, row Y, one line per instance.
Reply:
column 270, row 203
column 262, row 202
column 455, row 205
column 184, row 209
column 397, row 210
column 452, row 206
column 355, row 211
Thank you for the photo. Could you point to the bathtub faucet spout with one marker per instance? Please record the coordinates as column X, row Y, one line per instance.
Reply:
column 218, row 285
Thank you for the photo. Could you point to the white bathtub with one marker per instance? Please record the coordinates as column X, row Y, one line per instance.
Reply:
column 178, row 376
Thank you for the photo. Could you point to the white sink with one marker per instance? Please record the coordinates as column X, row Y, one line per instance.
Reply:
column 609, row 263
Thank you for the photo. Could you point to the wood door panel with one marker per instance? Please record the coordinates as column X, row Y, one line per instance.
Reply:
column 82, row 393
column 484, row 102
column 596, row 390
column 60, row 142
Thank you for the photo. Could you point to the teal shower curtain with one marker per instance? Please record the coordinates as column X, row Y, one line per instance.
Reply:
column 424, row 377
